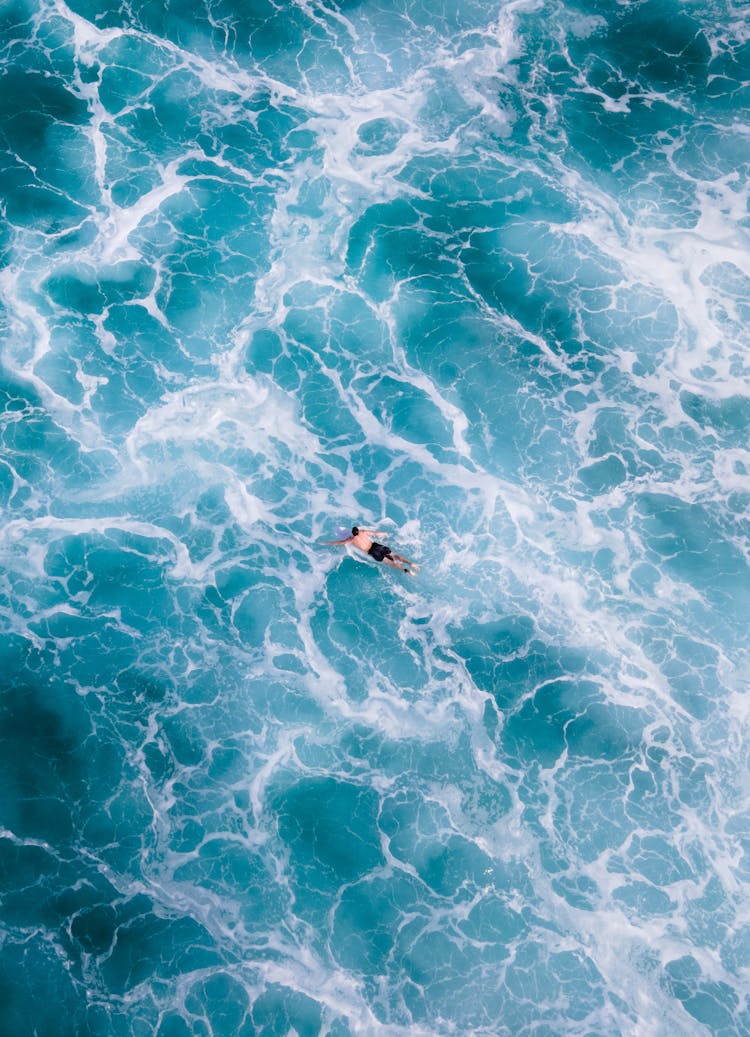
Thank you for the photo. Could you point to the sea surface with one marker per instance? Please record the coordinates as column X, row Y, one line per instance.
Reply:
column 474, row 274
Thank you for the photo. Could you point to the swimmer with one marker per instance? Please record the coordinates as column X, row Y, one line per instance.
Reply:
column 363, row 539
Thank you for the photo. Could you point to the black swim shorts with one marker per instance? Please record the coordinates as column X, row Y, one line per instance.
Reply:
column 379, row 551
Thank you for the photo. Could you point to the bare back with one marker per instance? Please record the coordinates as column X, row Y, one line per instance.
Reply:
column 362, row 540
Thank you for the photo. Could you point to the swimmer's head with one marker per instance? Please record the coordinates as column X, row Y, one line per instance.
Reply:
column 355, row 530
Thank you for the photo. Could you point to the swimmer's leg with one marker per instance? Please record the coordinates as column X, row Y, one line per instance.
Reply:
column 394, row 561
column 400, row 558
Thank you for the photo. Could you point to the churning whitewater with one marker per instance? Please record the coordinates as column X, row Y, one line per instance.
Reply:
column 473, row 274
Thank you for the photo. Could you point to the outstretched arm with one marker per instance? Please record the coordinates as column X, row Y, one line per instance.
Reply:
column 337, row 543
column 374, row 532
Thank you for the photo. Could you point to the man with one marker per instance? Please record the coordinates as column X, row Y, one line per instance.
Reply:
column 362, row 538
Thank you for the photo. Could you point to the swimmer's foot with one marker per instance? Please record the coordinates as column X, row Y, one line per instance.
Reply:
column 409, row 572
column 415, row 567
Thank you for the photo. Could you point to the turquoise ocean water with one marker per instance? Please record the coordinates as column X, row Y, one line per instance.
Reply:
column 473, row 273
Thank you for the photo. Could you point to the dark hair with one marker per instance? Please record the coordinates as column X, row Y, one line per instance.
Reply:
column 355, row 530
